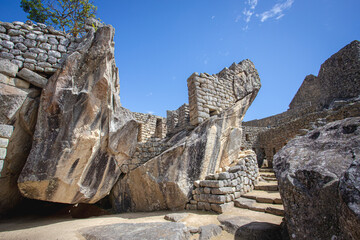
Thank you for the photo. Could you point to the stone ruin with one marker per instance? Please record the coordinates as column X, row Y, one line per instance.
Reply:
column 65, row 138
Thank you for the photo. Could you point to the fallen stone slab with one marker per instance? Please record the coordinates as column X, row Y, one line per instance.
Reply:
column 232, row 223
column 33, row 78
column 137, row 231
column 259, row 231
column 175, row 217
column 209, row 231
column 8, row 68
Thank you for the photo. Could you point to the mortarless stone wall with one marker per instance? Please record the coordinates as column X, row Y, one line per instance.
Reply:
column 37, row 47
column 211, row 94
column 151, row 126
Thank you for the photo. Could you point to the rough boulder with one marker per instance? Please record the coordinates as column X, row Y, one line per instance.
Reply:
column 318, row 177
column 76, row 149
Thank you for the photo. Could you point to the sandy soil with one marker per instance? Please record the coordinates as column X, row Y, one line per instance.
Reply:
column 66, row 228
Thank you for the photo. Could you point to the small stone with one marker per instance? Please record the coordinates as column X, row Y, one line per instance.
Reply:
column 2, row 153
column 29, row 66
column 30, row 55
column 6, row 130
column 21, row 47
column 29, row 60
column 65, row 42
column 62, row 49
column 45, row 46
column 7, row 44
column 18, row 39
column 18, row 63
column 31, row 36
column 53, row 41
column 54, row 54
column 30, row 43
column 15, row 52
column 4, row 142
column 13, row 32
column 43, row 64
column 42, row 38
column 176, row 217
column 37, row 50
column 2, row 29
column 52, row 60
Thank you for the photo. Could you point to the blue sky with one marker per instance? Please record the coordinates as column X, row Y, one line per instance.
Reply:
column 160, row 43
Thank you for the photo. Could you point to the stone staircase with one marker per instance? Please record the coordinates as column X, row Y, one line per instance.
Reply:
column 265, row 197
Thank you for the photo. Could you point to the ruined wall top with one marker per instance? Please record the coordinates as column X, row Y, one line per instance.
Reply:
column 211, row 94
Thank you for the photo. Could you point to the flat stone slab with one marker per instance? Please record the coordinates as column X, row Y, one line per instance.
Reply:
column 232, row 222
column 32, row 78
column 251, row 204
column 264, row 196
column 137, row 231
column 176, row 217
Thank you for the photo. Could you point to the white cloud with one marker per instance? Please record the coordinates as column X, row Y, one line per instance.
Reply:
column 150, row 112
column 149, row 94
column 276, row 11
column 212, row 17
column 248, row 11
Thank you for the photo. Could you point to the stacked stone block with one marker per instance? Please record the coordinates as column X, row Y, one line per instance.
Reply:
column 218, row 191
column 151, row 126
column 209, row 95
column 178, row 119
column 5, row 134
column 152, row 148
column 37, row 47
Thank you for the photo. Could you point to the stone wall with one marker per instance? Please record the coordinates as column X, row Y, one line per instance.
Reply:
column 37, row 47
column 5, row 134
column 151, row 126
column 218, row 191
column 178, row 119
column 338, row 78
column 211, row 94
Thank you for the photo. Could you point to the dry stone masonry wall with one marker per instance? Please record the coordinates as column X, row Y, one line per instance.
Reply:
column 218, row 191
column 211, row 94
column 5, row 134
column 178, row 119
column 151, row 126
column 36, row 47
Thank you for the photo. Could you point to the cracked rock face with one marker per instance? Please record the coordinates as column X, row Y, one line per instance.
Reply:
column 71, row 160
column 318, row 177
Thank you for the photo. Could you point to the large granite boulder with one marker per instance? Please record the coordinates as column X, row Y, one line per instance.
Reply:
column 73, row 159
column 318, row 177
column 166, row 181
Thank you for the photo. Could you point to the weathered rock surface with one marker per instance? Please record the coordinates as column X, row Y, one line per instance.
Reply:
column 137, row 231
column 318, row 181
column 176, row 217
column 209, row 231
column 166, row 181
column 11, row 99
column 72, row 157
column 8, row 68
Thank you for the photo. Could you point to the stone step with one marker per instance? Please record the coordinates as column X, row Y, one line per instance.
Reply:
column 269, row 178
column 265, row 170
column 251, row 204
column 264, row 196
column 267, row 174
column 267, row 186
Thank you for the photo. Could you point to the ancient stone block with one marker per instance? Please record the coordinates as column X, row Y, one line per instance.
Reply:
column 32, row 78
